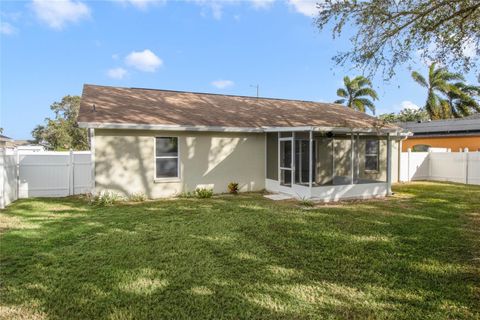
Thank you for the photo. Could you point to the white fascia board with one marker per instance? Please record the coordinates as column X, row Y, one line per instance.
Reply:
column 283, row 129
column 163, row 127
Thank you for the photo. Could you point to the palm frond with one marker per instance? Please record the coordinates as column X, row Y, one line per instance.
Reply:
column 419, row 79
column 358, row 105
column 342, row 93
column 365, row 103
column 340, row 101
column 366, row 92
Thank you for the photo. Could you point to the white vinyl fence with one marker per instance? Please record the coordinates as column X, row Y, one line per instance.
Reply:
column 461, row 167
column 44, row 174
column 8, row 176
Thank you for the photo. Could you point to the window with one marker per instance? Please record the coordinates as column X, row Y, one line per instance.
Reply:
column 371, row 155
column 421, row 148
column 166, row 157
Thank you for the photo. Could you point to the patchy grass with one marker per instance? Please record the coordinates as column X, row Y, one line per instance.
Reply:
column 413, row 256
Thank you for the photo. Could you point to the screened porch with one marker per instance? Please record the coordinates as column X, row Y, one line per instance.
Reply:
column 328, row 165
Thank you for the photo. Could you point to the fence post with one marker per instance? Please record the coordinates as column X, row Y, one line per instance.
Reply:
column 17, row 173
column 429, row 155
column 466, row 165
column 71, row 185
column 2, row 167
column 409, row 151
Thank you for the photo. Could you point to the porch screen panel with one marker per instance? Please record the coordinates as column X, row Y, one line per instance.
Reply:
column 324, row 160
column 272, row 155
column 342, row 159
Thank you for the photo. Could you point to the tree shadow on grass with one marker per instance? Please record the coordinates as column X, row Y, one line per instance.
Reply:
column 240, row 257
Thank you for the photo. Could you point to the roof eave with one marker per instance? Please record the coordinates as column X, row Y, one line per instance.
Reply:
column 164, row 127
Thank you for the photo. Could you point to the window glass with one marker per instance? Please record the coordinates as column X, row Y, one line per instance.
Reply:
column 166, row 157
column 286, row 154
column 371, row 155
column 421, row 148
column 167, row 167
column 166, row 147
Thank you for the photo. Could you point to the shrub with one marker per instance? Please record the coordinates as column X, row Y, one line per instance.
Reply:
column 137, row 197
column 187, row 194
column 105, row 198
column 233, row 187
column 304, row 202
column 203, row 193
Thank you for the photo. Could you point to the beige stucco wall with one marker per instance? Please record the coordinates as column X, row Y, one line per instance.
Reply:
column 124, row 162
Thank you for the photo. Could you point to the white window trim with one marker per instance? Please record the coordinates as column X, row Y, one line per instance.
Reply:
column 377, row 155
column 166, row 179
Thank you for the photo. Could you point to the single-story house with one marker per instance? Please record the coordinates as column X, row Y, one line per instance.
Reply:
column 452, row 134
column 4, row 140
column 162, row 143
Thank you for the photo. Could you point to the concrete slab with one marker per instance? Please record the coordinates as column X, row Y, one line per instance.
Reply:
column 278, row 196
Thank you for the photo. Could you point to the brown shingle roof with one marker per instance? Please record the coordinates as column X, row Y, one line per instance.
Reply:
column 115, row 105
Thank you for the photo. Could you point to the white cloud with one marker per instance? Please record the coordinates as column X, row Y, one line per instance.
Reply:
column 7, row 29
column 60, row 12
column 305, row 7
column 222, row 84
column 117, row 73
column 144, row 60
column 408, row 105
column 142, row 4
column 470, row 49
column 262, row 4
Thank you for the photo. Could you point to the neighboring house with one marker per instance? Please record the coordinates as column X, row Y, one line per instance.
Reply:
column 162, row 143
column 4, row 140
column 453, row 134
column 24, row 145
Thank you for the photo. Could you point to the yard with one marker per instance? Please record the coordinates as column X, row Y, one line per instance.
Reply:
column 416, row 255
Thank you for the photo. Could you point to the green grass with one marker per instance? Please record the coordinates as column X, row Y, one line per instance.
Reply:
column 415, row 255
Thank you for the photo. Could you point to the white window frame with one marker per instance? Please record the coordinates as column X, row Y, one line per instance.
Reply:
column 165, row 179
column 377, row 155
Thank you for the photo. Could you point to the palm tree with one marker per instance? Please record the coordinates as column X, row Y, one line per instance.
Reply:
column 439, row 85
column 355, row 94
column 461, row 100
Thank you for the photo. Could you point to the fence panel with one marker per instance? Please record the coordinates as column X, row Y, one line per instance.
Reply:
column 8, row 176
column 473, row 168
column 82, row 175
column 414, row 166
column 44, row 174
column 461, row 167
column 448, row 166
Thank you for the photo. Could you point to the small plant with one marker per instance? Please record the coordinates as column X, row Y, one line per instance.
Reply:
column 104, row 198
column 203, row 193
column 187, row 194
column 305, row 202
column 233, row 187
column 137, row 197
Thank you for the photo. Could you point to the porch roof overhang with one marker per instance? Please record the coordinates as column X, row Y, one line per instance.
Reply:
column 346, row 130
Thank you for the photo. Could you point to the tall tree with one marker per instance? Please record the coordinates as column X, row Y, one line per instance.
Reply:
column 405, row 115
column 62, row 132
column 391, row 32
column 356, row 92
column 444, row 98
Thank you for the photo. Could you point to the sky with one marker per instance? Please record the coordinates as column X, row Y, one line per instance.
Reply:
column 49, row 49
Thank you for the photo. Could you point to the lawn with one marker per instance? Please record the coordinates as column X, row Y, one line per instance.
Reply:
column 415, row 255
